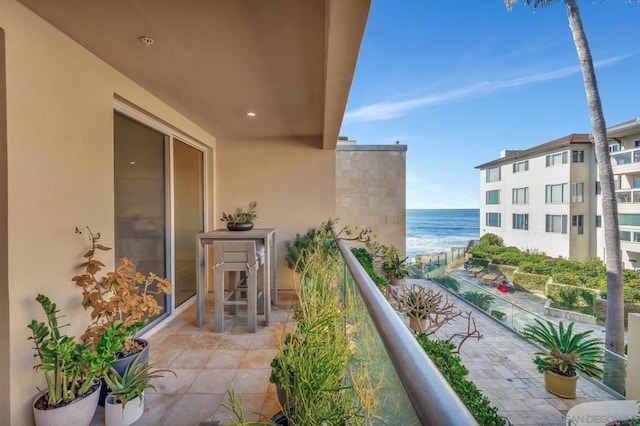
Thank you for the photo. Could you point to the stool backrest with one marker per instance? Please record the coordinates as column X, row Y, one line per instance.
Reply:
column 235, row 255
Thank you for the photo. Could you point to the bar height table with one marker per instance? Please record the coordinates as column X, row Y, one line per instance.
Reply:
column 266, row 236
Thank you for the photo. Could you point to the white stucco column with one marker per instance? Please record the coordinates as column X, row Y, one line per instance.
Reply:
column 633, row 358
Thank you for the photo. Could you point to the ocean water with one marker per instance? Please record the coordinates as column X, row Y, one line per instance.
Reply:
column 437, row 230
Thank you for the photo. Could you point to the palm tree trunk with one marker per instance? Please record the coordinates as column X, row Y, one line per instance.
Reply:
column 614, row 339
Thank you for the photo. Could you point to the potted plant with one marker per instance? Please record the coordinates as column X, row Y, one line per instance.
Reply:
column 395, row 266
column 569, row 353
column 121, row 296
column 70, row 369
column 125, row 402
column 241, row 220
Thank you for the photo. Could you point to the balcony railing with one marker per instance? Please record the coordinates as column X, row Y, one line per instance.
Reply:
column 516, row 318
column 414, row 391
column 627, row 157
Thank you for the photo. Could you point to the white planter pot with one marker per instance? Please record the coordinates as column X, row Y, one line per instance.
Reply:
column 115, row 415
column 79, row 412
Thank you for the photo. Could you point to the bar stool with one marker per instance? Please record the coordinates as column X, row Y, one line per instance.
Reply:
column 240, row 256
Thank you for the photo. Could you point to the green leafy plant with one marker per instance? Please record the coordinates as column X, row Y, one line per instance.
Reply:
column 366, row 260
column 242, row 216
column 499, row 314
column 69, row 367
column 394, row 265
column 121, row 296
column 134, row 381
column 568, row 351
column 480, row 299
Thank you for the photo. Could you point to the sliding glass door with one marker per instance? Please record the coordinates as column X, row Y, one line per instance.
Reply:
column 188, row 172
column 156, row 227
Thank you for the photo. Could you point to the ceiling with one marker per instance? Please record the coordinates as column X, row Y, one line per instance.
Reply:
column 289, row 61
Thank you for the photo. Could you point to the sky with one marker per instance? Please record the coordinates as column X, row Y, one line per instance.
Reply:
column 460, row 81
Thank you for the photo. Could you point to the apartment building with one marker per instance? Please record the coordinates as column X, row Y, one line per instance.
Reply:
column 624, row 146
column 542, row 198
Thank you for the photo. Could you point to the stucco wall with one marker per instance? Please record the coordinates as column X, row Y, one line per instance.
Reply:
column 292, row 181
column 371, row 190
column 60, row 101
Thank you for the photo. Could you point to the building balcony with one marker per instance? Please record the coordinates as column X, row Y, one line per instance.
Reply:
column 208, row 363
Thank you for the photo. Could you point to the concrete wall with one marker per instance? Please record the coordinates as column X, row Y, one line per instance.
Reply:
column 292, row 181
column 60, row 102
column 371, row 190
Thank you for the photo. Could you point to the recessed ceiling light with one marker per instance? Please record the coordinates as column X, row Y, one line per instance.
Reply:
column 147, row 40
column 251, row 114
column 132, row 162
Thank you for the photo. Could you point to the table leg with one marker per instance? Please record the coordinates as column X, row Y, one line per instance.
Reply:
column 201, row 283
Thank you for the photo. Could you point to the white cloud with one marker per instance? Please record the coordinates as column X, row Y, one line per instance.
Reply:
column 387, row 110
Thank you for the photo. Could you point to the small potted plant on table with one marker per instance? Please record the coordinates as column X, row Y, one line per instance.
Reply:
column 569, row 353
column 241, row 220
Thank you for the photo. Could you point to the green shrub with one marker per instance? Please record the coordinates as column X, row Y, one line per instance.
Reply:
column 499, row 314
column 454, row 371
column 567, row 278
column 530, row 282
column 366, row 260
column 507, row 270
column 480, row 299
column 491, row 239
column 449, row 282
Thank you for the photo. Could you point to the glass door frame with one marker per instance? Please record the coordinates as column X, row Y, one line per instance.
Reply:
column 172, row 136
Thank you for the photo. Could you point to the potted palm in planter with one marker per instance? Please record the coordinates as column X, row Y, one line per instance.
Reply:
column 121, row 296
column 241, row 220
column 569, row 353
column 125, row 402
column 71, row 369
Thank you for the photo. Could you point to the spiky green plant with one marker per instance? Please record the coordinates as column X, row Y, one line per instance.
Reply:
column 568, row 351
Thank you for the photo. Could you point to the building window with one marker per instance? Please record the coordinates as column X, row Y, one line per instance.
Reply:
column 598, row 221
column 577, row 221
column 557, row 193
column 521, row 221
column 625, row 235
column 636, row 237
column 636, row 144
column 493, row 174
column 556, row 223
column 577, row 192
column 557, row 159
column 629, row 219
column 520, row 195
column 598, row 188
column 521, row 166
column 493, row 197
column 577, row 156
column 614, row 147
column 493, row 219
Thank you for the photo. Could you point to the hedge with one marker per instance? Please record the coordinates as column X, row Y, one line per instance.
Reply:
column 530, row 282
column 601, row 311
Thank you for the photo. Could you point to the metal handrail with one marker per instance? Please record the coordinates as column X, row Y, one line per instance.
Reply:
column 433, row 400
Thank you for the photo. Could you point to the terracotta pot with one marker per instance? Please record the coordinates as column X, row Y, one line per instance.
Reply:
column 79, row 412
column 115, row 415
column 417, row 324
column 563, row 386
column 397, row 281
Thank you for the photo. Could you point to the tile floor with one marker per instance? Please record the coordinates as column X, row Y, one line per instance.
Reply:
column 207, row 364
